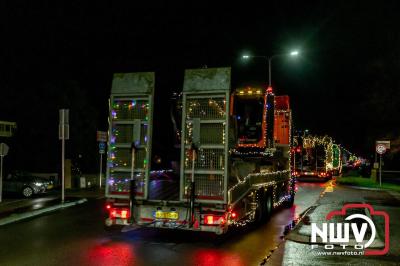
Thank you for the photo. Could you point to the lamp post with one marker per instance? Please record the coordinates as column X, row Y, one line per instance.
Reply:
column 269, row 58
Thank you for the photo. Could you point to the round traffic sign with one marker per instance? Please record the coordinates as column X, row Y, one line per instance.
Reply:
column 380, row 148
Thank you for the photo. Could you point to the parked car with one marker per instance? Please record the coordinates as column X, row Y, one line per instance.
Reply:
column 25, row 184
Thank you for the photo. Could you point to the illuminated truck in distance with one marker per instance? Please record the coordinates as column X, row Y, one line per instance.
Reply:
column 234, row 165
column 316, row 157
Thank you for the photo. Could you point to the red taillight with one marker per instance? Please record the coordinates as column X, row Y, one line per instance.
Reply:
column 214, row 220
column 209, row 219
column 108, row 206
column 124, row 214
column 119, row 213
column 233, row 214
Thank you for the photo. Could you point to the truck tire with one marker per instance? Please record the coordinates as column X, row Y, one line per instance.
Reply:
column 259, row 215
column 268, row 206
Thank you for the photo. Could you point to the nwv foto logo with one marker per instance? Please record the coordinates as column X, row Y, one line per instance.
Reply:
column 334, row 233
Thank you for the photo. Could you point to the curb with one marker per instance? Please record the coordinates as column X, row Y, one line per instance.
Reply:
column 364, row 188
column 23, row 216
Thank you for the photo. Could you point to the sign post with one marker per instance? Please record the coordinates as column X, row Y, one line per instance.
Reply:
column 102, row 139
column 63, row 134
column 3, row 152
column 380, row 149
column 102, row 148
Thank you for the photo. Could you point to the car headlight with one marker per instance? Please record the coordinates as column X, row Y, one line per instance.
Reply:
column 38, row 184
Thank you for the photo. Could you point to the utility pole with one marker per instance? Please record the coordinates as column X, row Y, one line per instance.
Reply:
column 3, row 152
column 102, row 140
column 63, row 134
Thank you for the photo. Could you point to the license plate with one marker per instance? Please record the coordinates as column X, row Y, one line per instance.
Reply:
column 167, row 215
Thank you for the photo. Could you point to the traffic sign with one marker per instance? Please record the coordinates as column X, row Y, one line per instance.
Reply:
column 101, row 136
column 384, row 142
column 102, row 147
column 63, row 125
column 3, row 149
column 380, row 149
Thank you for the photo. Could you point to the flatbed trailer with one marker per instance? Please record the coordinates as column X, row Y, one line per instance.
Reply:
column 221, row 183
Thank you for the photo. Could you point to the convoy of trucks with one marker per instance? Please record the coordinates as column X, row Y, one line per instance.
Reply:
column 316, row 157
column 235, row 155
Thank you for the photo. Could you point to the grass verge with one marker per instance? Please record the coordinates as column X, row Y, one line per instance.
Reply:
column 365, row 182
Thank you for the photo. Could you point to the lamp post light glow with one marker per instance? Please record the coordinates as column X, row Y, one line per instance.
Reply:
column 269, row 58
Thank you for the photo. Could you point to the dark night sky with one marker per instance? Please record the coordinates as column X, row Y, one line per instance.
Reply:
column 345, row 84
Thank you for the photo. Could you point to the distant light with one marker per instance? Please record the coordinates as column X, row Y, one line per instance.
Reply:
column 294, row 53
column 246, row 56
column 269, row 89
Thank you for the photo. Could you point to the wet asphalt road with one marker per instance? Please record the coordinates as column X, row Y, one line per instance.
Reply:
column 75, row 236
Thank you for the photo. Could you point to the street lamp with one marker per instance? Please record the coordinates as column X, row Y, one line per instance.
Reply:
column 269, row 58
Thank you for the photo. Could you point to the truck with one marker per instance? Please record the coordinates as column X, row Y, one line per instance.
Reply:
column 316, row 157
column 234, row 166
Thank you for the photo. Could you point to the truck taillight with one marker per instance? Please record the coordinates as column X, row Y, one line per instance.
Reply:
column 213, row 220
column 124, row 214
column 119, row 213
column 209, row 219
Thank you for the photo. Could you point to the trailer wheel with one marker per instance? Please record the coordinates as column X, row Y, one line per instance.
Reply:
column 268, row 206
column 259, row 215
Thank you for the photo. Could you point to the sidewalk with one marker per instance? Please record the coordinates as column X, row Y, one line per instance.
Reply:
column 16, row 209
column 296, row 250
